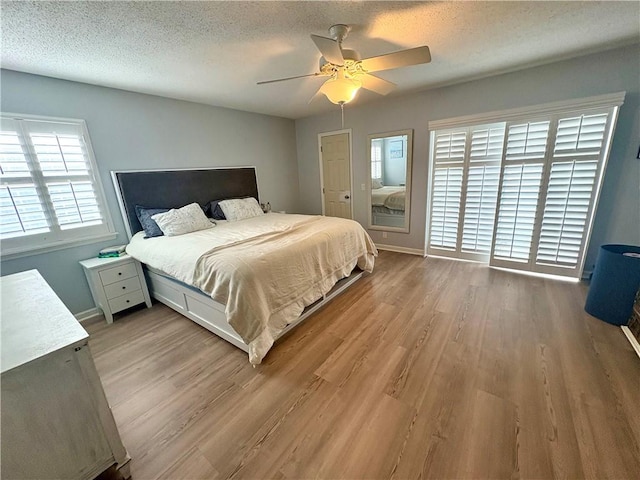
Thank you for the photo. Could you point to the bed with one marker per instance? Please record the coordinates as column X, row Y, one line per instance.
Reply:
column 248, row 281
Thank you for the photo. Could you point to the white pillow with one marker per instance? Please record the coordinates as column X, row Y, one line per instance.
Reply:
column 240, row 208
column 179, row 221
column 376, row 183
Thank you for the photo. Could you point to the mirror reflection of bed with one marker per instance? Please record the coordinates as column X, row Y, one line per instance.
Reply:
column 390, row 167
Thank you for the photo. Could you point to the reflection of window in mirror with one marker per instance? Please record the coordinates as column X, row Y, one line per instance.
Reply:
column 376, row 160
column 390, row 167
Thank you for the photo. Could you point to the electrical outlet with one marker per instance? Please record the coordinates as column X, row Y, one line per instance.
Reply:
column 363, row 187
column 384, row 234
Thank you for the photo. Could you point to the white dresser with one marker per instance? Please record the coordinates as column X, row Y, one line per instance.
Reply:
column 116, row 284
column 56, row 422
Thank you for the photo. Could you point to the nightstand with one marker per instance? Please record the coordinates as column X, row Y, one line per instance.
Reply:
column 116, row 284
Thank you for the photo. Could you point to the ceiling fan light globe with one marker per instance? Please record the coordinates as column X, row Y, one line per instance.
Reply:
column 341, row 90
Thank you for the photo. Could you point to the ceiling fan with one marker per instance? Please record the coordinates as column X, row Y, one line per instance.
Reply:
column 347, row 72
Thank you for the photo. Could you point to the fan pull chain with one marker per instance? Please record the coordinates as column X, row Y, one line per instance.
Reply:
column 342, row 113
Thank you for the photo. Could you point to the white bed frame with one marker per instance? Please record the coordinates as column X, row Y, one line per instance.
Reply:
column 199, row 307
column 209, row 314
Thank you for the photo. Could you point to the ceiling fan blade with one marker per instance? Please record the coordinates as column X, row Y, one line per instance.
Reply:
column 329, row 48
column 289, row 78
column 317, row 95
column 403, row 58
column 376, row 84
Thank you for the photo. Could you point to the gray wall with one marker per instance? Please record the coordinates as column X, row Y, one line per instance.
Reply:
column 134, row 131
column 618, row 215
column 395, row 169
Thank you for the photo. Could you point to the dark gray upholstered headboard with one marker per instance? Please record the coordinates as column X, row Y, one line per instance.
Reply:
column 176, row 188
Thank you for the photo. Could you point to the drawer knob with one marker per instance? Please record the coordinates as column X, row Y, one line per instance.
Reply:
column 124, row 288
column 119, row 273
column 127, row 301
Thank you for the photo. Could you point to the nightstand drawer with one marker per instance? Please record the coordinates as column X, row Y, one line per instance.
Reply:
column 126, row 301
column 121, row 288
column 112, row 275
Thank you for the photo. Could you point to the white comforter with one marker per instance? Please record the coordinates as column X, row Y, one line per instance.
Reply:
column 390, row 197
column 264, row 269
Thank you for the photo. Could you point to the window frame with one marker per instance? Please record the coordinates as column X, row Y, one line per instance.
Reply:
column 57, row 239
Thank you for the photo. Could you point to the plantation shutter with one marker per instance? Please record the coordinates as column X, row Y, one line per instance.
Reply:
column 521, row 180
column 49, row 192
column 577, row 156
column 61, row 154
column 376, row 159
column 522, row 191
column 21, row 204
column 447, row 189
column 466, row 176
column 483, row 177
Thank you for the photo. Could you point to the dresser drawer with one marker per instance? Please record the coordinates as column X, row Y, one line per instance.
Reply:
column 115, row 274
column 126, row 301
column 123, row 287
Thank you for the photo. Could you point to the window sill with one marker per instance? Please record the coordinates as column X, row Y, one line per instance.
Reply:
column 10, row 254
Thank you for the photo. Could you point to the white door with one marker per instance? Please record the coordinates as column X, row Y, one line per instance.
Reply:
column 335, row 154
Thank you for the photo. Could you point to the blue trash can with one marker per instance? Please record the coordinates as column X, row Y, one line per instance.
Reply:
column 615, row 281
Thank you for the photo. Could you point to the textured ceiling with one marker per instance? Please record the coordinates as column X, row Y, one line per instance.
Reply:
column 215, row 52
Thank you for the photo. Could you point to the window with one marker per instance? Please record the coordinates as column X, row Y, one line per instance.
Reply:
column 50, row 194
column 521, row 192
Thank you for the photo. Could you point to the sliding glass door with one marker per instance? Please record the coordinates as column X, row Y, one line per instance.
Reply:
column 520, row 193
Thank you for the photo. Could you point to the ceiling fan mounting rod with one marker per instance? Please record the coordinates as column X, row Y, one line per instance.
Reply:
column 339, row 32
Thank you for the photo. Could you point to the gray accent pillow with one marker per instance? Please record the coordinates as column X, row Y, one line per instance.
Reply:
column 214, row 211
column 151, row 228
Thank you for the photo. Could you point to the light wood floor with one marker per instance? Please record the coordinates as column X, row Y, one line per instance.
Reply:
column 428, row 368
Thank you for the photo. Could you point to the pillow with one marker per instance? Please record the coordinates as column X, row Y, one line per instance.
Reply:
column 151, row 228
column 214, row 211
column 179, row 221
column 376, row 183
column 240, row 208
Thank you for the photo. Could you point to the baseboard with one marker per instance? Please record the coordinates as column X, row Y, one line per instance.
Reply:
column 87, row 314
column 393, row 248
column 632, row 340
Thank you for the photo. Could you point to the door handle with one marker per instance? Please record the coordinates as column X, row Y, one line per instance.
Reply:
column 346, row 197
